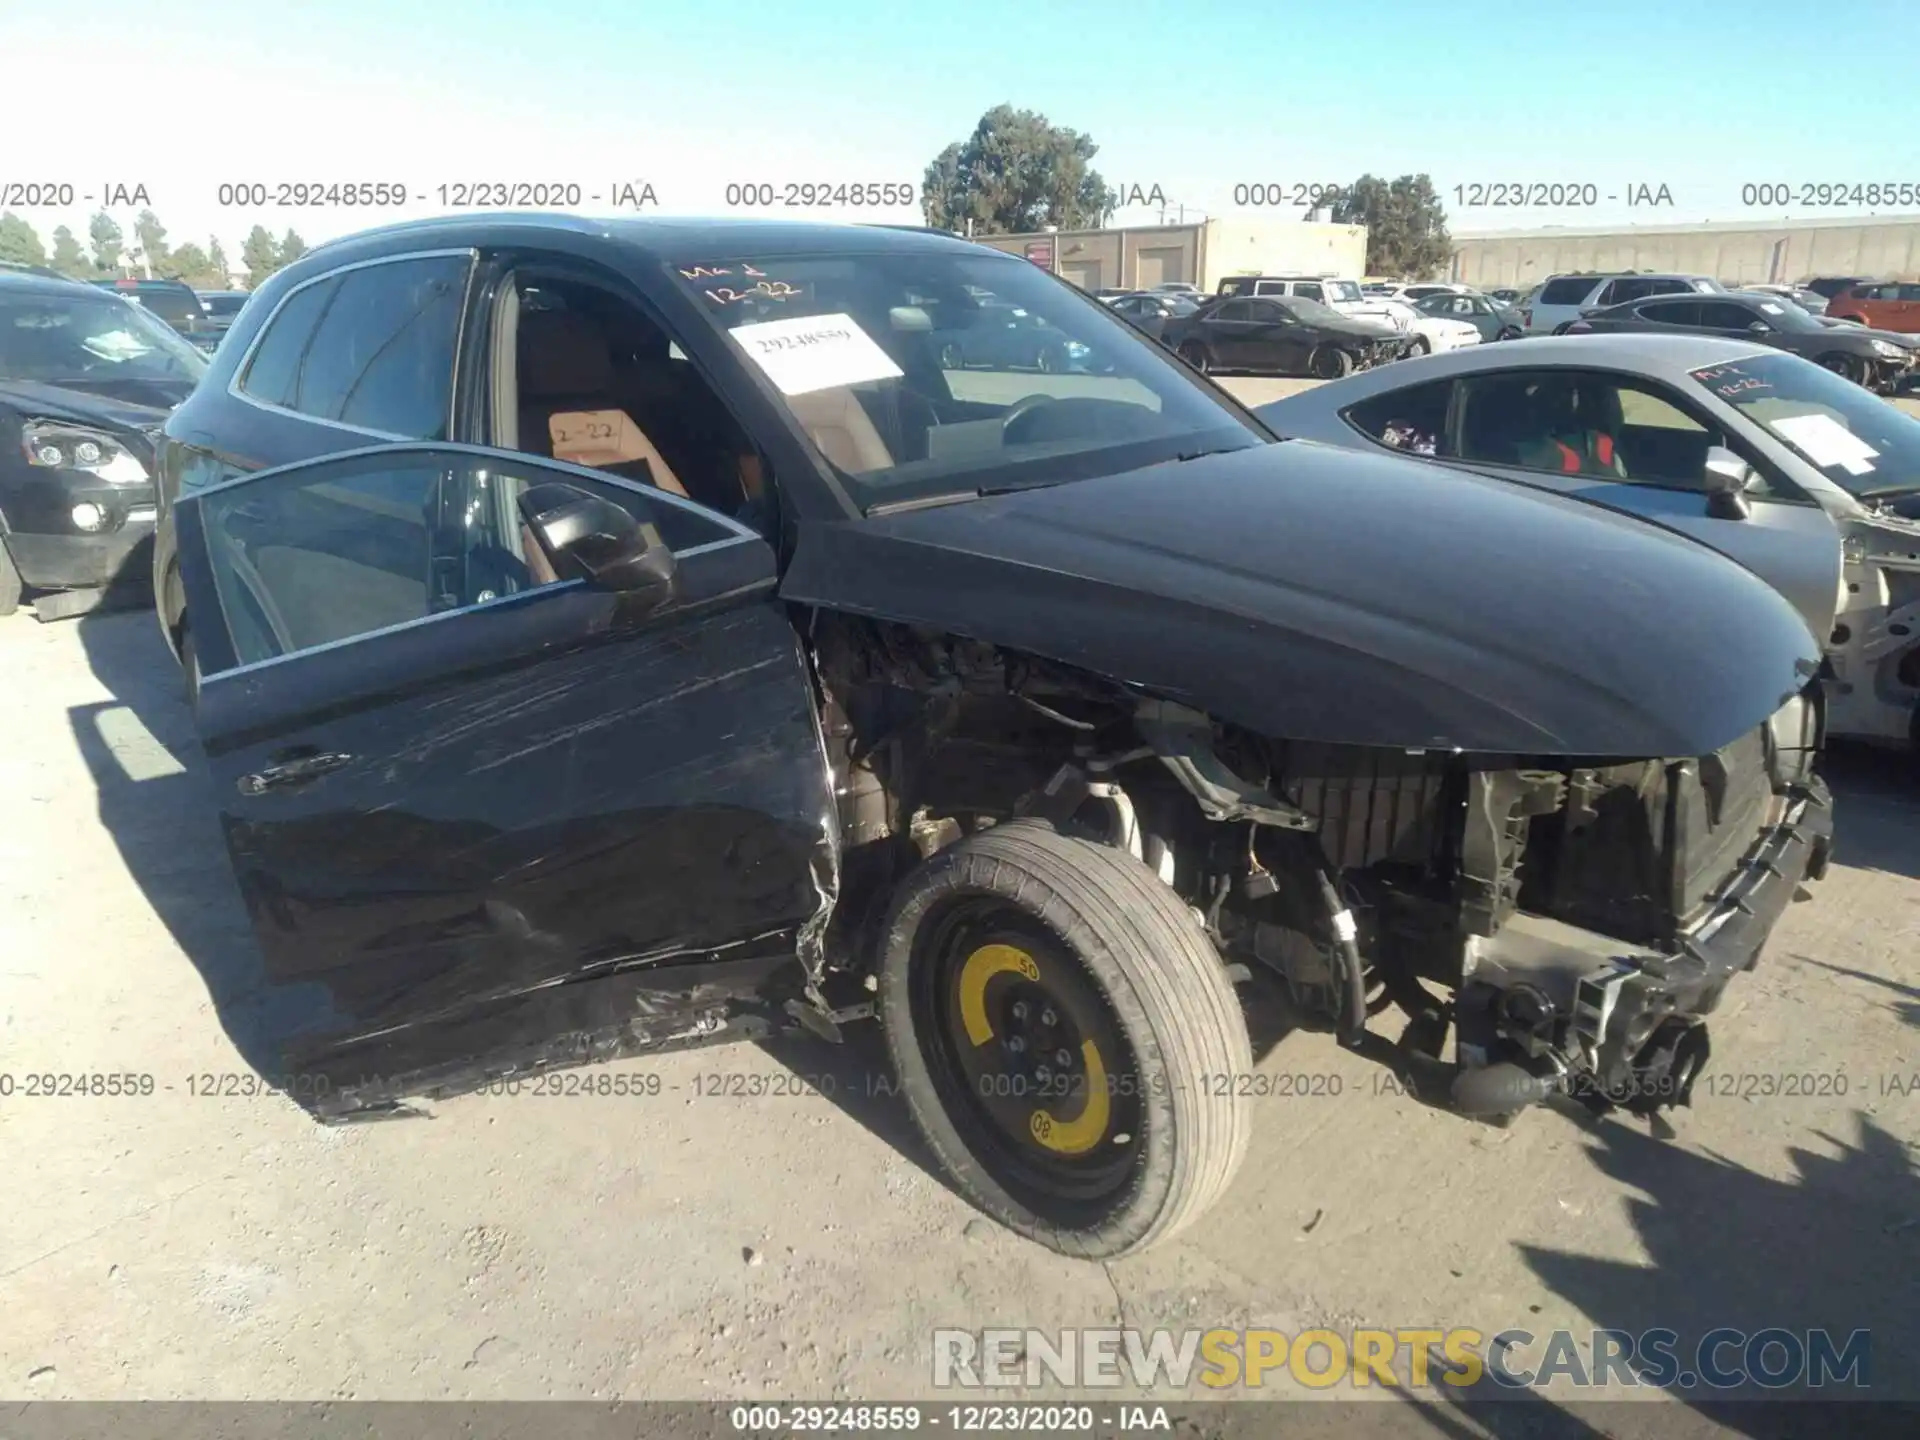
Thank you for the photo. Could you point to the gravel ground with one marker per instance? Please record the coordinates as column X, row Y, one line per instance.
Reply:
column 797, row 1245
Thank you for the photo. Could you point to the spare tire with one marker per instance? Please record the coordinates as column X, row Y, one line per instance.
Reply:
column 1066, row 1037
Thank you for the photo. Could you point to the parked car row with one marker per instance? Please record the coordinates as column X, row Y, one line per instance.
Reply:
column 598, row 651
column 1314, row 324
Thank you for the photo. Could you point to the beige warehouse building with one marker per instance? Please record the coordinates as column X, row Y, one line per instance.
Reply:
column 1738, row 250
column 1202, row 253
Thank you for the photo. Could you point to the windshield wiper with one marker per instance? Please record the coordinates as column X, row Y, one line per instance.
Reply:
column 926, row 502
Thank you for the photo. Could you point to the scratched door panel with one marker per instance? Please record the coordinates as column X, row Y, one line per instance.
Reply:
column 534, row 790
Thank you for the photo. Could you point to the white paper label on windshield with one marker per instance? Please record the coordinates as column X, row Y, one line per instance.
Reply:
column 815, row 352
column 1827, row 442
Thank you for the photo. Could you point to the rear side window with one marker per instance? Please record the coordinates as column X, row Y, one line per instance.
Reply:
column 1910, row 292
column 1568, row 290
column 1414, row 419
column 377, row 351
column 275, row 369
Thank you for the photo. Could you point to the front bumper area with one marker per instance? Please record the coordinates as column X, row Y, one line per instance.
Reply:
column 1548, row 1007
column 123, row 557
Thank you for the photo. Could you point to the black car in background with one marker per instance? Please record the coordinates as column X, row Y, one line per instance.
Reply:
column 1280, row 335
column 1005, row 337
column 85, row 380
column 1828, row 286
column 1879, row 360
column 174, row 301
column 1150, row 310
column 221, row 308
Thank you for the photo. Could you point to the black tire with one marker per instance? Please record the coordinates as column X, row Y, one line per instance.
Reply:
column 1107, row 928
column 1048, row 362
column 1845, row 366
column 1329, row 362
column 1561, row 329
column 1419, row 347
column 189, row 668
column 9, row 582
column 951, row 357
column 1195, row 354
column 1510, row 333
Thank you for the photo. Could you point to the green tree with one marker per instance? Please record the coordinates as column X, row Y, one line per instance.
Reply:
column 1406, row 225
column 190, row 263
column 217, row 262
column 260, row 255
column 152, row 236
column 19, row 241
column 1017, row 172
column 292, row 247
column 68, row 258
column 108, row 243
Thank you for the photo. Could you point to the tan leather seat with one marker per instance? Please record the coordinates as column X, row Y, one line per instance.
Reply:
column 841, row 429
column 565, row 367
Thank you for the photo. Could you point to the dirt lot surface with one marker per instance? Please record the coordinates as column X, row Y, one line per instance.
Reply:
column 797, row 1244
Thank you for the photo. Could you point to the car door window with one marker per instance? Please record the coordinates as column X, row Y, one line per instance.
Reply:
column 1724, row 315
column 1413, row 419
column 1909, row 293
column 1234, row 310
column 1671, row 312
column 1619, row 292
column 313, row 556
column 1579, row 423
column 1268, row 313
column 381, row 357
column 274, row 369
column 1309, row 292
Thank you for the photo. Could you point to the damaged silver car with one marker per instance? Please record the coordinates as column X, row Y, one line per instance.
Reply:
column 627, row 635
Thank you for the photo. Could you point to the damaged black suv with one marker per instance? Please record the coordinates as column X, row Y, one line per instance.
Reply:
column 615, row 636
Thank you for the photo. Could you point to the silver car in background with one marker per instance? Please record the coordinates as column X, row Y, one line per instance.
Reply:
column 1805, row 478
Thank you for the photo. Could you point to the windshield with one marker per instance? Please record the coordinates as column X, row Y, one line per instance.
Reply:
column 1854, row 438
column 56, row 338
column 1786, row 316
column 934, row 372
column 1314, row 313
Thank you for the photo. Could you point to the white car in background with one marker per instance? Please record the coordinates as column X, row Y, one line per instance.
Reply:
column 1433, row 334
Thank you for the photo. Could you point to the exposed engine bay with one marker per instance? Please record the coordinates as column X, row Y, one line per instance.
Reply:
column 1559, row 924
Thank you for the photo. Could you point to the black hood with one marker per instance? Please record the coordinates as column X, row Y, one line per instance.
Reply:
column 1312, row 593
column 122, row 405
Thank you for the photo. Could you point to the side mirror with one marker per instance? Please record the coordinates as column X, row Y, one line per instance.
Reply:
column 1759, row 327
column 600, row 542
column 1727, row 479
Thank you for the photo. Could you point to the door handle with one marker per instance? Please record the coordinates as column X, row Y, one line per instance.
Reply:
column 293, row 772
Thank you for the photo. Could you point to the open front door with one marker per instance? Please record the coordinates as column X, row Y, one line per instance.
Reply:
column 499, row 793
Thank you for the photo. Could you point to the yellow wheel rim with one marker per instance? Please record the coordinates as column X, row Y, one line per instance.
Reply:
column 1064, row 1137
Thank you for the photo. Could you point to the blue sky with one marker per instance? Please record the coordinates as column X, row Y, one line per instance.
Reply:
column 1195, row 97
